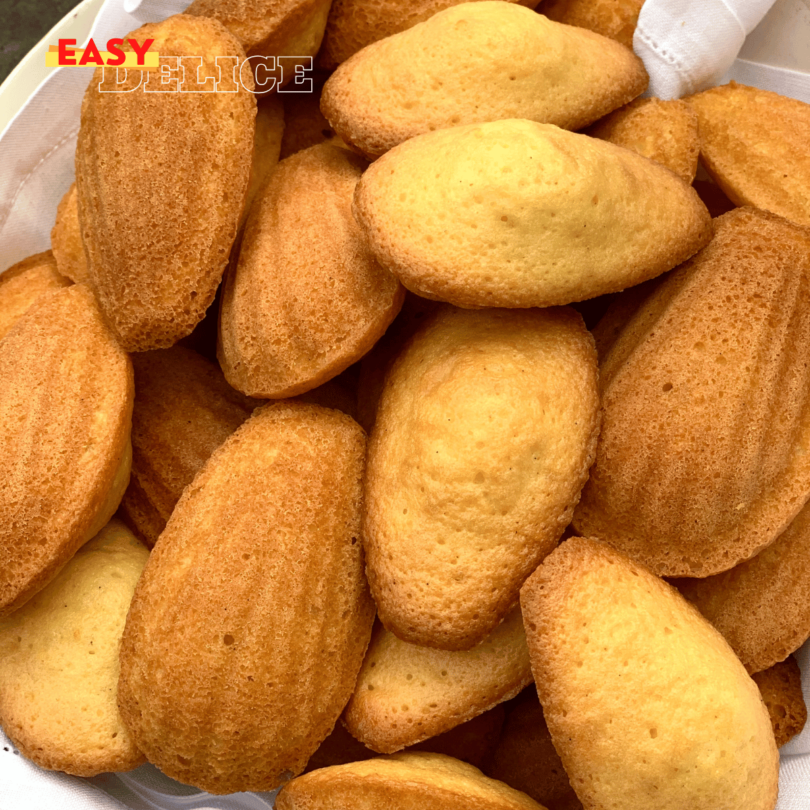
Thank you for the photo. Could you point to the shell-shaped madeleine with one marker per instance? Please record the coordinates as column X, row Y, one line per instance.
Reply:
column 703, row 456
column 646, row 703
column 754, row 144
column 484, row 434
column 353, row 24
column 406, row 694
column 183, row 411
column 59, row 661
column 307, row 299
column 65, row 412
column 23, row 284
column 473, row 63
column 249, row 625
column 66, row 239
column 410, row 780
column 761, row 606
column 519, row 214
column 161, row 180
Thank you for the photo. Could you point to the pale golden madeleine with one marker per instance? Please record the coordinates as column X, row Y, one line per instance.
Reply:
column 249, row 624
column 781, row 689
column 703, row 456
column 519, row 214
column 406, row 694
column 478, row 62
column 664, row 131
column 647, row 704
column 760, row 606
column 157, row 251
column 307, row 298
column 59, row 661
column 353, row 24
column 66, row 239
column 25, row 283
column 65, row 413
column 612, row 18
column 271, row 28
column 485, row 431
column 183, row 411
column 409, row 781
column 754, row 144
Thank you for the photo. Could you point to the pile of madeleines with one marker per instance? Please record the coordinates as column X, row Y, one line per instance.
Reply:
column 454, row 342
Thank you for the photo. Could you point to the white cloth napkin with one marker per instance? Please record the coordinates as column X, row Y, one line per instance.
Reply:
column 685, row 45
column 688, row 45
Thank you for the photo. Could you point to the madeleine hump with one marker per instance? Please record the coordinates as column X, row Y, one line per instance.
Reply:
column 249, row 625
column 161, row 180
column 473, row 63
column 409, row 781
column 519, row 214
column 646, row 703
column 485, row 431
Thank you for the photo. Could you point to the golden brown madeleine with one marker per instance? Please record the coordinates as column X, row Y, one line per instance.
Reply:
column 353, row 24
column 183, row 411
column 519, row 214
column 646, row 703
column 612, row 18
column 484, row 435
column 781, row 688
column 66, row 239
column 250, row 622
column 65, row 413
column 702, row 460
column 525, row 757
column 305, row 125
column 23, row 284
column 412, row 781
column 664, row 131
column 307, row 299
column 59, row 661
column 761, row 606
column 753, row 143
column 266, row 147
column 473, row 742
column 156, row 253
column 271, row 27
column 406, row 694
column 473, row 63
